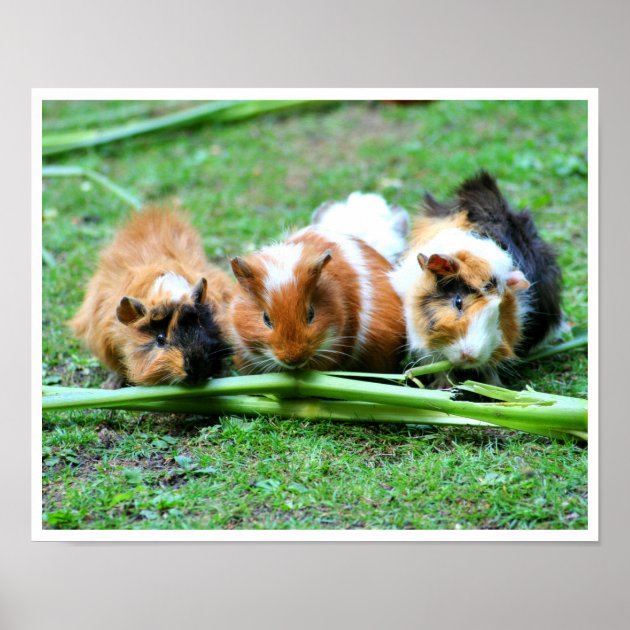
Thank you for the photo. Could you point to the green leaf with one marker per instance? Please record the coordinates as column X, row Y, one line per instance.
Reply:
column 298, row 487
column 268, row 485
column 120, row 498
column 208, row 470
column 61, row 517
column 133, row 475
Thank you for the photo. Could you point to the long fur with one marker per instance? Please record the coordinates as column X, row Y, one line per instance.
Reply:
column 478, row 283
column 148, row 283
column 367, row 216
column 336, row 309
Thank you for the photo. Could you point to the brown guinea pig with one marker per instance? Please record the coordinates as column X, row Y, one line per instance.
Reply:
column 320, row 300
column 154, row 311
column 478, row 283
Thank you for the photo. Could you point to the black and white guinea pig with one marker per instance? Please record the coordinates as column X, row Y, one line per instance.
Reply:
column 478, row 284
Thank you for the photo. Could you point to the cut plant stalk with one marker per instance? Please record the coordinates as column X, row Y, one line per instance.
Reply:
column 529, row 411
column 579, row 340
column 215, row 111
column 78, row 171
column 306, row 409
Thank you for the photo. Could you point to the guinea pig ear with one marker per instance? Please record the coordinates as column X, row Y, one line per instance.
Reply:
column 441, row 265
column 320, row 211
column 199, row 292
column 241, row 269
column 320, row 263
column 517, row 281
column 130, row 310
column 243, row 273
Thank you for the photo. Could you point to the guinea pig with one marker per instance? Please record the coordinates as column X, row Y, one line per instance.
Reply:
column 369, row 217
column 322, row 299
column 154, row 311
column 479, row 285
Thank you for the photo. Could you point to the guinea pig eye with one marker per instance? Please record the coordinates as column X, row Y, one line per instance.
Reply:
column 161, row 340
column 267, row 320
column 311, row 314
column 458, row 302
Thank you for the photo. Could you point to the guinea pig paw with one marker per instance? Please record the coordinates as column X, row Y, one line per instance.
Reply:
column 114, row 381
column 441, row 381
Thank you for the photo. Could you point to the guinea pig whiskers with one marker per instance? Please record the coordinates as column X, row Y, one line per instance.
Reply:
column 332, row 351
column 264, row 363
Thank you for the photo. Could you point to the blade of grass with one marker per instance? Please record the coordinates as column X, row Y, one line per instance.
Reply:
column 78, row 171
column 547, row 351
column 48, row 258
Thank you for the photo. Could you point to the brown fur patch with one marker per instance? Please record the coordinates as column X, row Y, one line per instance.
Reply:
column 153, row 243
column 441, row 324
column 426, row 228
column 474, row 271
column 334, row 293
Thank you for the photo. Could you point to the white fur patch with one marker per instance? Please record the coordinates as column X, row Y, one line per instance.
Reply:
column 173, row 284
column 280, row 262
column 453, row 240
column 351, row 251
column 482, row 338
column 405, row 274
column 368, row 216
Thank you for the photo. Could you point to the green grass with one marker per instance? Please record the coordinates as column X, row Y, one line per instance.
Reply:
column 242, row 185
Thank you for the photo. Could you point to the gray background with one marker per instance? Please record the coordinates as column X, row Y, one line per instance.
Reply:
column 273, row 44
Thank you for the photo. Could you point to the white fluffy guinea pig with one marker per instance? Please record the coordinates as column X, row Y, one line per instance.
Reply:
column 322, row 299
column 479, row 285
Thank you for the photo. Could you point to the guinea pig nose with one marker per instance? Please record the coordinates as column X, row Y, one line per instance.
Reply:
column 466, row 357
column 195, row 372
column 293, row 362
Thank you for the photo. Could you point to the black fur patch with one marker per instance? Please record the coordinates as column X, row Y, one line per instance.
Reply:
column 491, row 216
column 197, row 335
column 453, row 285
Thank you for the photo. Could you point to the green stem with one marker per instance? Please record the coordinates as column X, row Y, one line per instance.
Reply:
column 530, row 411
column 217, row 111
column 577, row 342
column 551, row 413
column 78, row 171
column 48, row 258
column 433, row 368
column 123, row 113
column 83, row 398
column 307, row 409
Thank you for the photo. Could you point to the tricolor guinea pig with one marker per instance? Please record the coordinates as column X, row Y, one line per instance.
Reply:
column 154, row 311
column 322, row 299
column 479, row 285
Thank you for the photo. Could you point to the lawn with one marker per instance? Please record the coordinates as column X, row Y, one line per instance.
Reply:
column 243, row 185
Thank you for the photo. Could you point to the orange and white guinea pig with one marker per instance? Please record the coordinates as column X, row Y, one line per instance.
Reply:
column 478, row 283
column 322, row 299
column 154, row 311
